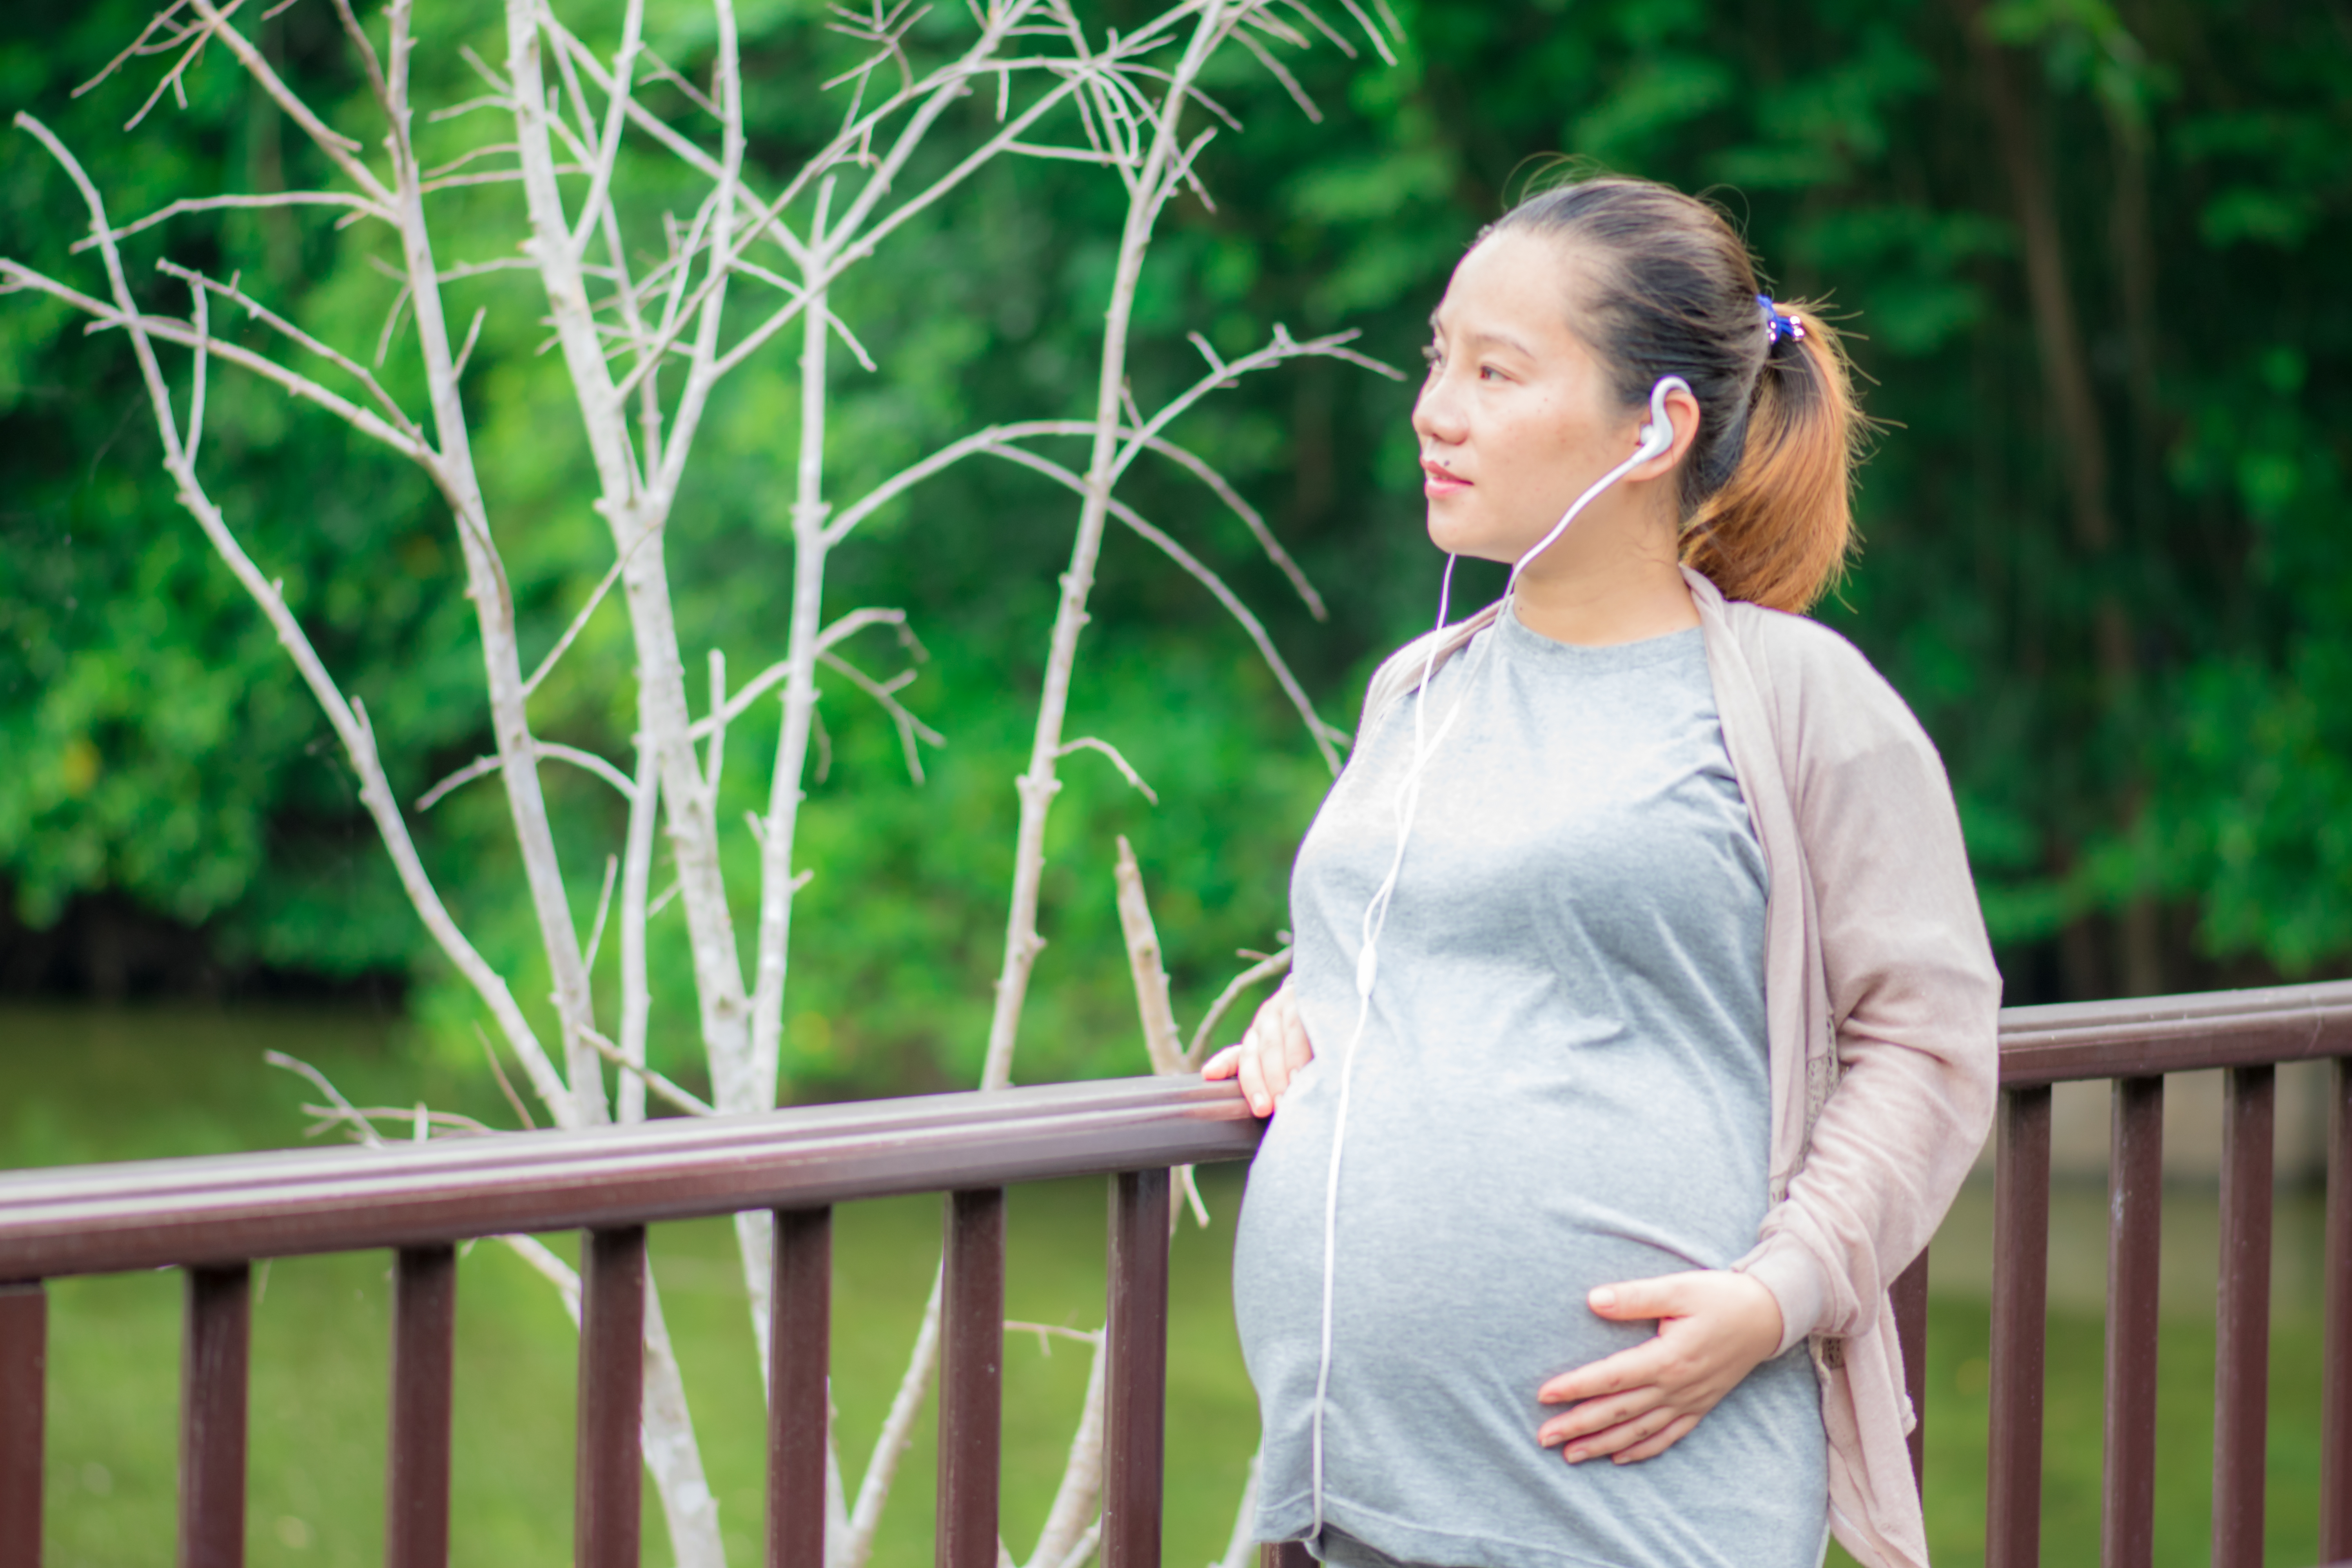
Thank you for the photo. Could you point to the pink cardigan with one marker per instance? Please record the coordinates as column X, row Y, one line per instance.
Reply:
column 1881, row 998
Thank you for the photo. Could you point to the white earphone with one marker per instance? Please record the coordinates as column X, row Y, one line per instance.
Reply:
column 1656, row 439
column 1658, row 436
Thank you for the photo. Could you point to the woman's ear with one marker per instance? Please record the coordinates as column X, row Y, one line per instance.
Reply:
column 1682, row 412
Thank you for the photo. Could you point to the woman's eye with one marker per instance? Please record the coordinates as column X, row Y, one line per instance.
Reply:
column 1431, row 356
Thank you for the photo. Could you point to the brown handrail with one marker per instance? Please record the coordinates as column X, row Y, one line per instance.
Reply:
column 94, row 1219
column 2145, row 1035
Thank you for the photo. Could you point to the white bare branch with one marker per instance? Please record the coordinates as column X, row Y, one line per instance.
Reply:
column 910, row 728
column 361, row 1127
column 1241, row 1549
column 348, row 718
column 1257, row 973
column 1076, row 1499
column 604, row 586
column 1126, row 769
column 264, row 314
column 684, row 1100
column 553, row 751
column 339, row 148
column 1323, row 734
column 897, row 1431
column 604, row 906
column 1162, row 1041
column 359, row 205
column 16, row 276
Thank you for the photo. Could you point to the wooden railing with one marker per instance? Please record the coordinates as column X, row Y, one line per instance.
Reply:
column 2247, row 1034
column 212, row 1218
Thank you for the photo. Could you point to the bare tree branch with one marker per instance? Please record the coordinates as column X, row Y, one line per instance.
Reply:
column 910, row 728
column 580, row 621
column 555, row 752
column 1161, row 1042
column 1257, row 973
column 1126, row 769
column 363, row 1128
column 686, row 1101
column 1076, row 1499
column 349, row 718
column 359, row 204
column 339, row 148
column 16, row 276
column 1322, row 734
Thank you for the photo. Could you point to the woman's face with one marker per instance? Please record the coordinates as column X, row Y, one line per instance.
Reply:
column 1516, row 417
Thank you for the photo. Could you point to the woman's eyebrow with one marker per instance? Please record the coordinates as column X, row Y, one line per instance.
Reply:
column 1485, row 335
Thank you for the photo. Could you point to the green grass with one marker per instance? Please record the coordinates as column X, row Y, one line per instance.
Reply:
column 85, row 1085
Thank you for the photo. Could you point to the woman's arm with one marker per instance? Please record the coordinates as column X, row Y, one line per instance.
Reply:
column 1271, row 1052
column 1914, row 1000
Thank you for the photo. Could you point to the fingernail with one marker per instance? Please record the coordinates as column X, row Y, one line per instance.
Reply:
column 1605, row 1297
column 1576, row 1456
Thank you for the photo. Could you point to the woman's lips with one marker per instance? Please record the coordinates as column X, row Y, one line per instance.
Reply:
column 1437, row 482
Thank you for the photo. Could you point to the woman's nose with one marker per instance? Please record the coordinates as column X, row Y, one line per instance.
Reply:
column 1437, row 413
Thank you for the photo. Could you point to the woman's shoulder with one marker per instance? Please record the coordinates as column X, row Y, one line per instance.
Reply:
column 1817, row 683
column 1402, row 670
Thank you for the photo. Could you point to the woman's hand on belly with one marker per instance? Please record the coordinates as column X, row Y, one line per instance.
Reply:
column 1715, row 1327
column 1272, row 1051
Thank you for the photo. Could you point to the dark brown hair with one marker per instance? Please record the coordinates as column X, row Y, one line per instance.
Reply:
column 1664, row 286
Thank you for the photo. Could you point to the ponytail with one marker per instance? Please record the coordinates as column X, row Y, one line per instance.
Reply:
column 1779, row 530
column 1666, row 288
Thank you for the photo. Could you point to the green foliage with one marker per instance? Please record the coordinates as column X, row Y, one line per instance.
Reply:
column 2160, row 718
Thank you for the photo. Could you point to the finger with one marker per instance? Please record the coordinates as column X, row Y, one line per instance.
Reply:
column 1636, row 1368
column 1224, row 1064
column 1679, row 1429
column 1620, row 1437
column 1253, row 1084
column 1574, row 1427
column 1296, row 1049
column 1667, row 1296
column 1275, row 1064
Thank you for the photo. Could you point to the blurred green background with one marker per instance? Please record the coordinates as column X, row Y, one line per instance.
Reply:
column 2082, row 250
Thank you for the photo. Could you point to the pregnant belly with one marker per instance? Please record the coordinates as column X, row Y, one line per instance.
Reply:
column 1464, row 1251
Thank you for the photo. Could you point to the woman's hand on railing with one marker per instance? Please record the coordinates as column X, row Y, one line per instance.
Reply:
column 1715, row 1327
column 1272, row 1051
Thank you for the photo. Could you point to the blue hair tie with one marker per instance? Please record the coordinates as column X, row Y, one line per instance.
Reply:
column 1778, row 326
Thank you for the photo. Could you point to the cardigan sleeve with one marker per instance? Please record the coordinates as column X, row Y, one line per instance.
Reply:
column 1913, row 999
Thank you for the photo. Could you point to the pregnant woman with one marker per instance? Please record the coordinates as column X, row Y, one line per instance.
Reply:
column 1642, row 1022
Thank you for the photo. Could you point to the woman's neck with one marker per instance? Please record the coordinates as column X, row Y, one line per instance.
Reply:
column 1594, row 597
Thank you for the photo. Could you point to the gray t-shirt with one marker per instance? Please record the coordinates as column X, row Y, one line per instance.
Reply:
column 1563, row 1083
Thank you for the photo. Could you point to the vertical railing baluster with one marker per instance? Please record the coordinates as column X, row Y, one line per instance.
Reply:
column 23, row 1399
column 605, row 1504
column 800, row 1348
column 1135, row 1393
column 424, row 1368
column 1910, row 1298
column 2241, row 1328
column 2135, row 1232
column 2021, row 1278
column 215, row 1355
column 971, row 1378
column 1285, row 1554
column 2336, row 1372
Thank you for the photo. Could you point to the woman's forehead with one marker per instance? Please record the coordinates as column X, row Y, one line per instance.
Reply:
column 1516, row 290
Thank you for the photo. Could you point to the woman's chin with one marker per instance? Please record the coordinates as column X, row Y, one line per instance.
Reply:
column 1455, row 536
